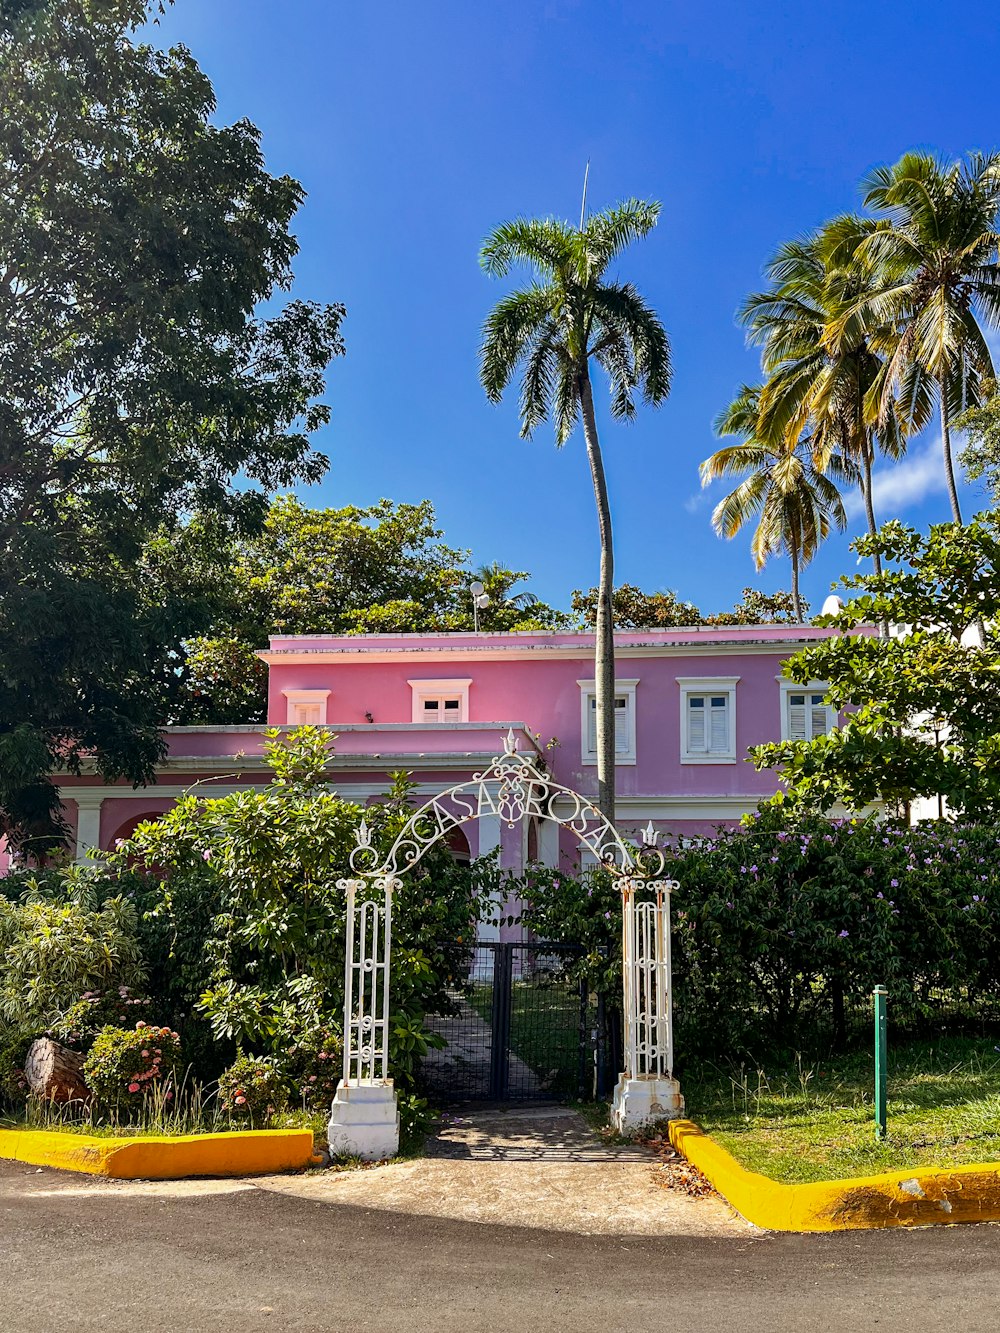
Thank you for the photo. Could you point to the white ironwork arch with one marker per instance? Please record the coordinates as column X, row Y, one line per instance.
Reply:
column 513, row 788
column 363, row 1119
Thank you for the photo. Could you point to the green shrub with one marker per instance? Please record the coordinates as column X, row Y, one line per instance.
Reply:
column 80, row 1024
column 252, row 1089
column 56, row 948
column 126, row 1065
column 13, row 1084
column 270, row 956
column 311, row 1067
column 781, row 927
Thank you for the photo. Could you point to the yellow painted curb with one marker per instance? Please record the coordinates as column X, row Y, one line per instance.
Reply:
column 921, row 1197
column 256, row 1152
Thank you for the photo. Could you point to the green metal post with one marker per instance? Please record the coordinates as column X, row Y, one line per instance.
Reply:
column 881, row 1070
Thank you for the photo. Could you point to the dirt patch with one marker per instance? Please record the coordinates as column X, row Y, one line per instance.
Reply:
column 543, row 1168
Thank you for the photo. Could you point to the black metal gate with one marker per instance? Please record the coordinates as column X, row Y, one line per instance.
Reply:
column 520, row 1030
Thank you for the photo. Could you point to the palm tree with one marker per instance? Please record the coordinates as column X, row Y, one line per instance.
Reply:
column 934, row 240
column 498, row 582
column 812, row 387
column 571, row 314
column 793, row 501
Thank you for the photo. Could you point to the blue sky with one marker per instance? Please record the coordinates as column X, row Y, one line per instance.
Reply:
column 417, row 128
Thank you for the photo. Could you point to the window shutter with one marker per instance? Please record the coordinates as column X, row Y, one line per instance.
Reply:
column 696, row 725
column 720, row 725
column 307, row 715
column 592, row 726
column 819, row 716
column 796, row 717
column 621, row 725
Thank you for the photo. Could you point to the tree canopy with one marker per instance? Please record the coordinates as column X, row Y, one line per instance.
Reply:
column 925, row 699
column 138, row 240
column 381, row 569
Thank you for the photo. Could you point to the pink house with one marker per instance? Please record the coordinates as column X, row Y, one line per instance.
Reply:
column 689, row 703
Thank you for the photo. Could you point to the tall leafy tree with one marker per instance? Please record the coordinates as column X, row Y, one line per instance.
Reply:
column 812, row 385
column 137, row 380
column 793, row 502
column 934, row 241
column 352, row 570
column 925, row 705
column 571, row 314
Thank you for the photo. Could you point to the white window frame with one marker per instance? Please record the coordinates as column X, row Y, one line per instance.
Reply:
column 588, row 691
column 441, row 689
column 305, row 698
column 695, row 685
column 788, row 687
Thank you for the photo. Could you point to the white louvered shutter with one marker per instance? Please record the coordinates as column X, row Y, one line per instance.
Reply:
column 307, row 715
column 697, row 742
column 719, row 720
column 797, row 717
column 621, row 725
column 819, row 716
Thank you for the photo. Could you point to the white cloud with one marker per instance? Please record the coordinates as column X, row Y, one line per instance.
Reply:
column 906, row 483
column 695, row 503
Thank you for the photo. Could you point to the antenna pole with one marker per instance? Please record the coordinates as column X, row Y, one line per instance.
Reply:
column 583, row 202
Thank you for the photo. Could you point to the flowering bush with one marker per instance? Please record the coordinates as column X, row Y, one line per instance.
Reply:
column 252, row 1088
column 781, row 926
column 125, row 1064
column 312, row 1067
column 95, row 1010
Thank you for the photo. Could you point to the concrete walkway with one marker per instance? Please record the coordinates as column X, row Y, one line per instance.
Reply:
column 542, row 1168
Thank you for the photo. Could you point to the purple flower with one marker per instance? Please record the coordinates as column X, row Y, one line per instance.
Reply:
column 893, row 884
column 842, row 935
column 729, row 905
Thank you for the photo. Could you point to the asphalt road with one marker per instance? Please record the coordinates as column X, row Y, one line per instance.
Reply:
column 79, row 1256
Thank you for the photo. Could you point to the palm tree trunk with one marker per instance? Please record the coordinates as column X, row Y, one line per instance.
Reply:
column 796, row 600
column 866, row 491
column 949, row 468
column 604, row 647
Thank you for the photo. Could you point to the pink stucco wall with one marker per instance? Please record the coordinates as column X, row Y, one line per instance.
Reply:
column 528, row 681
column 533, row 679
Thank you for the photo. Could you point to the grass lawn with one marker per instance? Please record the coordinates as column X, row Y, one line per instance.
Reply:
column 816, row 1122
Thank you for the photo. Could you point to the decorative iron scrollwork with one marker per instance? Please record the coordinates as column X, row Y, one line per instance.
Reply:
column 513, row 788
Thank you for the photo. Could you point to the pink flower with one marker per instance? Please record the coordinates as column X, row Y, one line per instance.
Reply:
column 145, row 1055
column 133, row 1087
column 240, row 1101
column 206, row 855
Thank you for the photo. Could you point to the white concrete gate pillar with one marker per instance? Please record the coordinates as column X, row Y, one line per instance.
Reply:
column 364, row 1117
column 647, row 1090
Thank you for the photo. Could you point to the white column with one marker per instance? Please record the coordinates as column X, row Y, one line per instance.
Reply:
column 548, row 843
column 489, row 841
column 88, row 822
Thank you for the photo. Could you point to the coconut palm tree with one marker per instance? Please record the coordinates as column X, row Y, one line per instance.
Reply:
column 793, row 501
column 811, row 386
column 571, row 314
column 934, row 241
